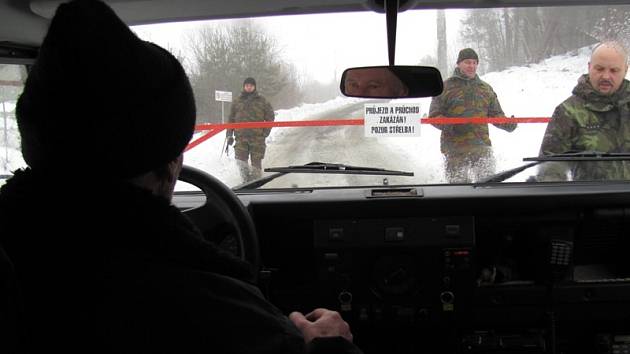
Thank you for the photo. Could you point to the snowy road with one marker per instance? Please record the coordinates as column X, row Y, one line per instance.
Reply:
column 336, row 144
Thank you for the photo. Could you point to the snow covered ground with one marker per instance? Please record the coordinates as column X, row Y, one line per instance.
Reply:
column 531, row 91
column 10, row 155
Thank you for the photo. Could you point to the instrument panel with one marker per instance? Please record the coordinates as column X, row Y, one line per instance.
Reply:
column 465, row 275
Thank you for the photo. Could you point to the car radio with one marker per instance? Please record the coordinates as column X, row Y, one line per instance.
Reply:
column 407, row 270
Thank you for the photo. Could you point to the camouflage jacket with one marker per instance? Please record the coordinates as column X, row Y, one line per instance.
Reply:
column 589, row 121
column 466, row 97
column 250, row 107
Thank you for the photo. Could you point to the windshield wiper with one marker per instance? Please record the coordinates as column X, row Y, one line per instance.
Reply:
column 335, row 168
column 502, row 176
column 319, row 167
column 565, row 156
column 582, row 156
column 258, row 182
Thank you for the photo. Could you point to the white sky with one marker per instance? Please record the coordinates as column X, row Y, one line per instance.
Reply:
column 346, row 40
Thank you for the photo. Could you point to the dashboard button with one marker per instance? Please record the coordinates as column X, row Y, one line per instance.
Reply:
column 394, row 234
column 335, row 234
column 452, row 230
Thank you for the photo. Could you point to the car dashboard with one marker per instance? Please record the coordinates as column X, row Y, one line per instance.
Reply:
column 523, row 268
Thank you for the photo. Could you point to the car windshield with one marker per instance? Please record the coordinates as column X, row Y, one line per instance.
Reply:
column 12, row 78
column 268, row 96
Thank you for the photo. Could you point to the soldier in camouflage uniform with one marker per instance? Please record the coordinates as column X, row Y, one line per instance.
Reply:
column 250, row 143
column 467, row 148
column 595, row 118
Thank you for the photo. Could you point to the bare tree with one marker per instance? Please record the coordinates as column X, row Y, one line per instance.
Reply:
column 614, row 25
column 527, row 35
column 222, row 57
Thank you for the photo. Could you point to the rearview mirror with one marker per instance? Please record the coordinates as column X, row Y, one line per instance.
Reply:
column 391, row 82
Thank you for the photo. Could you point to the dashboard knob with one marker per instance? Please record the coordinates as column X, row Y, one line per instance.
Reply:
column 345, row 297
column 447, row 297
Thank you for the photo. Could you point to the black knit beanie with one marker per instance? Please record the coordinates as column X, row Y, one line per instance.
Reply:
column 467, row 53
column 101, row 101
column 249, row 80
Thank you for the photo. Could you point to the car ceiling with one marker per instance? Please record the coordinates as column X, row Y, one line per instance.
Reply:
column 25, row 22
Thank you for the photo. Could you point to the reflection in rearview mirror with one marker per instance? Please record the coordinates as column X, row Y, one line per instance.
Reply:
column 391, row 82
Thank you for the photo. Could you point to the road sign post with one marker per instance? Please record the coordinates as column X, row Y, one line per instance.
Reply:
column 223, row 96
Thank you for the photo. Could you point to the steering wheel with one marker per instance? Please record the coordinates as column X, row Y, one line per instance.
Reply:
column 223, row 216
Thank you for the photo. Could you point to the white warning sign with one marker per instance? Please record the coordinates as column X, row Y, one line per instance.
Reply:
column 224, row 96
column 392, row 119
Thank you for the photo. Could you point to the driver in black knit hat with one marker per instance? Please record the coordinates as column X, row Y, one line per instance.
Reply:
column 100, row 259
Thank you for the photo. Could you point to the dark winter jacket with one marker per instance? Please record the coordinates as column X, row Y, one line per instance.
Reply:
column 466, row 97
column 109, row 267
